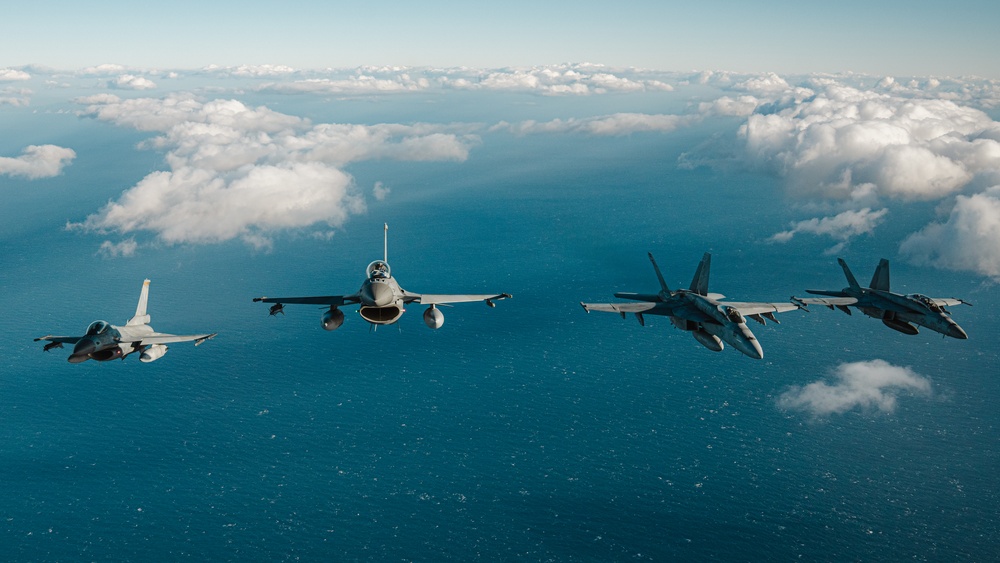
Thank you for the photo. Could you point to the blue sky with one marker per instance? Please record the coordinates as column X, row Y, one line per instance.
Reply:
column 891, row 37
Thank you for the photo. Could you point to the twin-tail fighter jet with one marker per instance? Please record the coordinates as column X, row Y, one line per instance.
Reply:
column 381, row 300
column 699, row 312
column 897, row 311
column 104, row 341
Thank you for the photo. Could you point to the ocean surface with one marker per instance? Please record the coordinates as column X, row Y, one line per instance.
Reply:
column 532, row 431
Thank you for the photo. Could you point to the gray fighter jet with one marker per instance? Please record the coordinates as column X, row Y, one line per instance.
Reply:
column 381, row 300
column 699, row 312
column 895, row 310
column 104, row 341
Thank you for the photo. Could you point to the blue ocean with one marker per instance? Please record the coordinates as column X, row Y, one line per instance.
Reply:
column 532, row 431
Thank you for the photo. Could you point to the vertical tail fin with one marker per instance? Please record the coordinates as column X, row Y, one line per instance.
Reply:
column 847, row 272
column 699, row 284
column 664, row 290
column 141, row 317
column 385, row 242
column 880, row 280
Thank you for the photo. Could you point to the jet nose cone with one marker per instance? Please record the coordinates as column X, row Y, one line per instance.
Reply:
column 748, row 344
column 381, row 294
column 84, row 347
column 956, row 332
column 82, row 351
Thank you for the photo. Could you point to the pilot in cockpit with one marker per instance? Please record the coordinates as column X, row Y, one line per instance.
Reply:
column 378, row 270
column 97, row 327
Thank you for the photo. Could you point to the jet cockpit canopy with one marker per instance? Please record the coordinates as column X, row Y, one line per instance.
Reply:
column 378, row 270
column 927, row 302
column 97, row 327
column 733, row 315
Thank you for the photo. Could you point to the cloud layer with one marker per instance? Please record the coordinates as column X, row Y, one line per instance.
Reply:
column 842, row 227
column 554, row 80
column 242, row 172
column 968, row 240
column 862, row 150
column 871, row 385
column 606, row 125
column 38, row 161
column 844, row 143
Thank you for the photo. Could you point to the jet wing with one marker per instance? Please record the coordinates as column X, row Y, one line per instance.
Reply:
column 622, row 308
column 948, row 301
column 432, row 299
column 669, row 308
column 753, row 308
column 332, row 300
column 60, row 339
column 828, row 301
column 152, row 339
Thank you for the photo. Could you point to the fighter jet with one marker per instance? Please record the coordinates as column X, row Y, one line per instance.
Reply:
column 897, row 311
column 104, row 341
column 382, row 301
column 699, row 312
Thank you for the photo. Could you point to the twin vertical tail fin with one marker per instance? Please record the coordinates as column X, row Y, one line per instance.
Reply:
column 664, row 290
column 699, row 284
column 880, row 280
column 141, row 317
column 847, row 272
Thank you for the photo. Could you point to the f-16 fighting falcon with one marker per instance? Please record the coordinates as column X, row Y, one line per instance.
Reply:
column 104, row 341
column 699, row 312
column 382, row 301
column 896, row 311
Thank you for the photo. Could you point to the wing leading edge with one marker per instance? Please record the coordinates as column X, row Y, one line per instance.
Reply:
column 441, row 299
column 173, row 338
column 333, row 300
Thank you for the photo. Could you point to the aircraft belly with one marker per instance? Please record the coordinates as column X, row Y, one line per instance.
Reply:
column 873, row 313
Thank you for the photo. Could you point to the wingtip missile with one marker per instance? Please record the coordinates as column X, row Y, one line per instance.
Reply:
column 800, row 304
column 202, row 340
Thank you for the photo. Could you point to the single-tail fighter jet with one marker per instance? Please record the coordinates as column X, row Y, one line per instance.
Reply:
column 381, row 300
column 104, row 341
column 896, row 311
column 699, row 312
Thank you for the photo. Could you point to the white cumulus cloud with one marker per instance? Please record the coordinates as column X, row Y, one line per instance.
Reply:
column 968, row 240
column 844, row 143
column 16, row 97
column 842, row 227
column 125, row 248
column 242, row 172
column 875, row 384
column 354, row 85
column 11, row 75
column 131, row 82
column 38, row 161
column 741, row 106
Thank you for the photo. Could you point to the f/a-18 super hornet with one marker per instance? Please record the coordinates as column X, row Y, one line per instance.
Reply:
column 897, row 311
column 381, row 300
column 104, row 341
column 699, row 312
